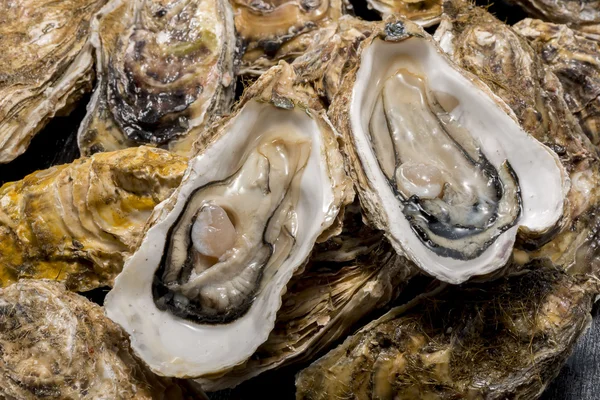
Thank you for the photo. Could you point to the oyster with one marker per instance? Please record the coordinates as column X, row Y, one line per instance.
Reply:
column 165, row 71
column 578, row 13
column 518, row 330
column 45, row 65
column 575, row 59
column 76, row 223
column 57, row 344
column 422, row 12
column 348, row 276
column 271, row 31
column 212, row 268
column 439, row 164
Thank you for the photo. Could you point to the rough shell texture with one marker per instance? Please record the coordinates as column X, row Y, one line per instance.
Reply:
column 348, row 277
column 58, row 345
column 45, row 65
column 573, row 12
column 422, row 12
column 503, row 339
column 280, row 30
column 575, row 59
column 492, row 51
column 165, row 71
column 77, row 222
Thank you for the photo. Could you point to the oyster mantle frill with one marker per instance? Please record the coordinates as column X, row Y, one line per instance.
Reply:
column 440, row 162
column 201, row 293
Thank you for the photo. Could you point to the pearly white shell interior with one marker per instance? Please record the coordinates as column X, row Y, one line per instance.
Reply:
column 541, row 176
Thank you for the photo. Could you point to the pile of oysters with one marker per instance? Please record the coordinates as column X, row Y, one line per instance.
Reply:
column 405, row 207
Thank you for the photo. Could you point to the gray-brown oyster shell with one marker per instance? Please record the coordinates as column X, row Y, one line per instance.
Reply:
column 45, row 65
column 165, row 71
column 503, row 339
column 59, row 345
column 578, row 13
column 574, row 57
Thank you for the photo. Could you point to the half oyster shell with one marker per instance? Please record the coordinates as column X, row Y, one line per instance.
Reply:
column 78, row 222
column 347, row 277
column 45, row 65
column 56, row 344
column 575, row 59
column 422, row 12
column 165, row 70
column 577, row 13
column 212, row 268
column 439, row 164
column 520, row 331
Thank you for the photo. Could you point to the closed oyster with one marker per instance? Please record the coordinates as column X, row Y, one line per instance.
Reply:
column 56, row 344
column 76, row 223
column 439, row 164
column 422, row 12
column 165, row 70
column 347, row 278
column 512, row 69
column 503, row 339
column 202, row 291
column 271, row 31
column 45, row 65
column 577, row 13
column 575, row 59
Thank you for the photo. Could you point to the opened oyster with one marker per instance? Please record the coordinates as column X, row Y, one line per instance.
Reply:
column 165, row 70
column 56, row 344
column 440, row 165
column 577, row 13
column 76, row 223
column 518, row 331
column 348, row 277
column 202, row 291
column 271, row 31
column 45, row 65
column 575, row 59
column 422, row 12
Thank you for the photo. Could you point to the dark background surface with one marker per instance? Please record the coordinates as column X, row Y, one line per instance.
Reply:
column 579, row 379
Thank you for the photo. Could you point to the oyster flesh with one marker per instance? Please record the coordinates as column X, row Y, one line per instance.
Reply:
column 518, row 330
column 56, row 344
column 347, row 277
column 575, row 59
column 78, row 222
column 165, row 71
column 439, row 164
column 202, row 291
column 45, row 65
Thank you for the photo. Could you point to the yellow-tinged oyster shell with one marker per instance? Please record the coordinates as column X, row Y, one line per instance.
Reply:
column 165, row 71
column 45, row 65
column 56, row 344
column 422, row 12
column 575, row 59
column 77, row 222
column 503, row 339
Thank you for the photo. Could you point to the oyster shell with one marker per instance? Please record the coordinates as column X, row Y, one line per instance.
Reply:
column 348, row 277
column 518, row 330
column 45, row 65
column 422, row 12
column 577, row 13
column 165, row 70
column 271, row 31
column 458, row 193
column 575, row 59
column 212, row 268
column 78, row 222
column 57, row 344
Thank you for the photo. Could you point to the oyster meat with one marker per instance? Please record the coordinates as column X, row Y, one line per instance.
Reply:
column 78, row 222
column 45, row 65
column 498, row 340
column 347, row 277
column 56, row 344
column 165, row 71
column 439, row 164
column 202, row 291
column 575, row 59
